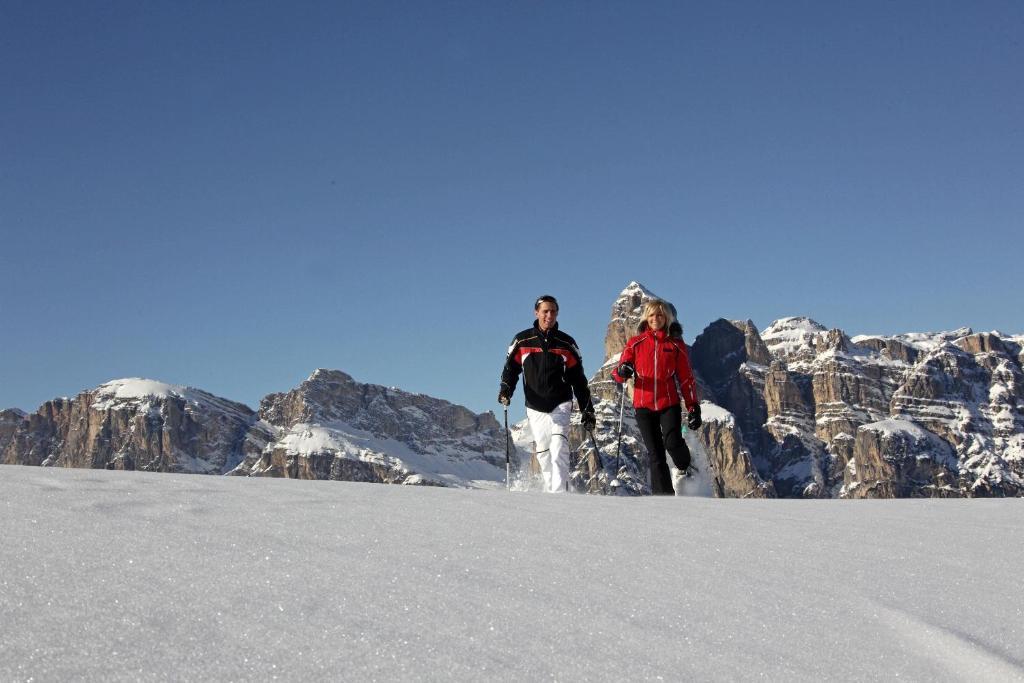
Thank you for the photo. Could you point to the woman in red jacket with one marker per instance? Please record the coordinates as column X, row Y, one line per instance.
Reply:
column 661, row 364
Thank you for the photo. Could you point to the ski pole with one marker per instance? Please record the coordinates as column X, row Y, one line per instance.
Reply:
column 597, row 454
column 615, row 483
column 508, row 466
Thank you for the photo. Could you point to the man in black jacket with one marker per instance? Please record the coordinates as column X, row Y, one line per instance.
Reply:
column 552, row 370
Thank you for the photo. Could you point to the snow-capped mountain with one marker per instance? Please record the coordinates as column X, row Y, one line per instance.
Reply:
column 330, row 427
column 724, row 464
column 802, row 410
column 133, row 424
column 798, row 410
column 939, row 414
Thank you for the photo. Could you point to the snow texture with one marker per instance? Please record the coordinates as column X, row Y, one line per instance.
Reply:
column 922, row 341
column 137, row 576
column 137, row 388
column 635, row 287
column 894, row 426
column 786, row 336
column 710, row 412
column 453, row 468
column 131, row 393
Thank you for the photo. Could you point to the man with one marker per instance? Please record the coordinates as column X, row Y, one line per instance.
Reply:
column 552, row 372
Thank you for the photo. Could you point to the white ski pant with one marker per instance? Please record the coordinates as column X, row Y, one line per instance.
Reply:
column 551, row 438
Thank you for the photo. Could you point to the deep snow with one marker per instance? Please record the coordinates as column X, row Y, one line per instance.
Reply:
column 130, row 575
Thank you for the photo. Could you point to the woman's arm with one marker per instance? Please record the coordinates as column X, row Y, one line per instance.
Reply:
column 627, row 356
column 687, row 384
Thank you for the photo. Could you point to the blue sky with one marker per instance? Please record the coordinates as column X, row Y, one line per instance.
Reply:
column 231, row 195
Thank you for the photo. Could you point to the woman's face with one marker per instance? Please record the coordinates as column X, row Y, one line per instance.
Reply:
column 656, row 320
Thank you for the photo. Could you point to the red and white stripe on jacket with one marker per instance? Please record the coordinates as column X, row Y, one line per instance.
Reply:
column 565, row 354
column 663, row 372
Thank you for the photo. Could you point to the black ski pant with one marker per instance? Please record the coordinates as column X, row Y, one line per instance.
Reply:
column 662, row 431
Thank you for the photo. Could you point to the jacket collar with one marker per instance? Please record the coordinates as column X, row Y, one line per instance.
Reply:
column 661, row 335
column 536, row 326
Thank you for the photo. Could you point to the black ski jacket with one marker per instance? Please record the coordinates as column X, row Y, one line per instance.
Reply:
column 552, row 370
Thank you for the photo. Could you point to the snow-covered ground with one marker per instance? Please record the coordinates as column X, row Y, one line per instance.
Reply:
column 125, row 575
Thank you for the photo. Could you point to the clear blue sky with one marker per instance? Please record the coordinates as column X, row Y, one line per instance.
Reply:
column 232, row 194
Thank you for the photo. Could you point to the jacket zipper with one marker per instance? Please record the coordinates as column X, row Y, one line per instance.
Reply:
column 655, row 373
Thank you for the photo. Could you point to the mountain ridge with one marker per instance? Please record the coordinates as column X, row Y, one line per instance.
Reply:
column 795, row 410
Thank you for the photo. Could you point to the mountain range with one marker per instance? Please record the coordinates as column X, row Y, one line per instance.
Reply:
column 794, row 410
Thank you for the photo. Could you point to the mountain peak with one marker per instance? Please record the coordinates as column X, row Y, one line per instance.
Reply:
column 787, row 338
column 634, row 288
column 326, row 374
column 798, row 322
column 131, row 388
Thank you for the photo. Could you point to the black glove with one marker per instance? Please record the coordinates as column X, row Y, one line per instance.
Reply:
column 693, row 420
column 503, row 398
column 588, row 420
column 626, row 370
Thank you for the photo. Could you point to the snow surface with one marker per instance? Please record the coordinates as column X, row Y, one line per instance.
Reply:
column 635, row 287
column 922, row 341
column 787, row 336
column 134, row 391
column 129, row 575
column 892, row 426
column 138, row 387
column 711, row 412
column 458, row 468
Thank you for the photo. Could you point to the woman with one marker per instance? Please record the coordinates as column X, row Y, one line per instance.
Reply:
column 661, row 364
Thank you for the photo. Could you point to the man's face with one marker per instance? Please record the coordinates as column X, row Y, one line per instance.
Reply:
column 547, row 314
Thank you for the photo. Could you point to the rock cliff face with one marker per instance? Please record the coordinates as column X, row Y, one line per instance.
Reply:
column 898, row 459
column 909, row 415
column 718, row 448
column 132, row 424
column 796, row 410
column 330, row 427
column 801, row 410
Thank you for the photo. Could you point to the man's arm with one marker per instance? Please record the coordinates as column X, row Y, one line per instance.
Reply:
column 578, row 380
column 510, row 373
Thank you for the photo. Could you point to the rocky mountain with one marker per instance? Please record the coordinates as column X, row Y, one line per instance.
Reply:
column 330, row 427
column 801, row 410
column 132, row 424
column 795, row 410
column 824, row 415
column 717, row 449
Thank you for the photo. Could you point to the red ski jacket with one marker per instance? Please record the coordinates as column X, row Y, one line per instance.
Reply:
column 663, row 371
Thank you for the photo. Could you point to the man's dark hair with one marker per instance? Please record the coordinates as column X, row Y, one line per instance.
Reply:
column 548, row 298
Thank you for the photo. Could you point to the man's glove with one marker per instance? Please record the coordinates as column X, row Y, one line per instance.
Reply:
column 693, row 420
column 503, row 398
column 626, row 370
column 588, row 420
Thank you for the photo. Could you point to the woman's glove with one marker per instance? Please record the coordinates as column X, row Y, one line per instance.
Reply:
column 693, row 420
column 626, row 370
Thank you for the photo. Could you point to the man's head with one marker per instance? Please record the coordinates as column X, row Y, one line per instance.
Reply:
column 546, row 310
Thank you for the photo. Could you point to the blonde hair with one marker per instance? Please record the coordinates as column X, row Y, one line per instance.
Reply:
column 653, row 305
